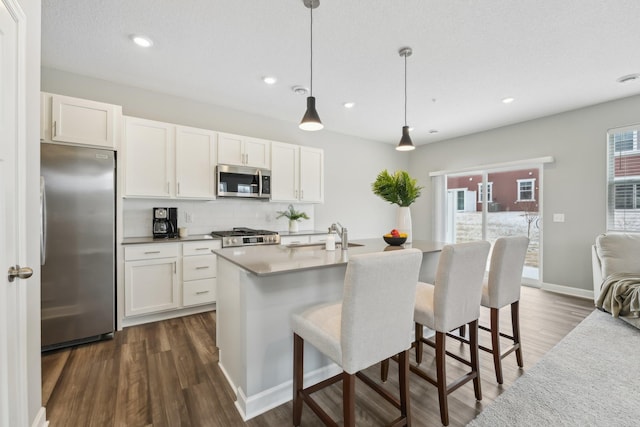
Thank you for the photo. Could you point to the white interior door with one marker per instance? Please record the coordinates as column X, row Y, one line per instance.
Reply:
column 13, row 328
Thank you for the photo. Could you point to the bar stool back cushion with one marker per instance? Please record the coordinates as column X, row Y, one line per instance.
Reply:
column 505, row 272
column 375, row 318
column 458, row 285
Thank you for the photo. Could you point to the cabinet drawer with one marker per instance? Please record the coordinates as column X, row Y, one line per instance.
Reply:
column 318, row 238
column 163, row 250
column 199, row 292
column 198, row 267
column 294, row 240
column 200, row 248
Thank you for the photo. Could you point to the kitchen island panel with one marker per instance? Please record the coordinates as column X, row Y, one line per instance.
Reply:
column 254, row 334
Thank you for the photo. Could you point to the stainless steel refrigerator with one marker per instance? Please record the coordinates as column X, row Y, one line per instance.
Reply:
column 77, row 194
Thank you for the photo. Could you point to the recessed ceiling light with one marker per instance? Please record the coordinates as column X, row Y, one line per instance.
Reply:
column 142, row 41
column 507, row 100
column 300, row 90
column 270, row 80
column 348, row 104
column 628, row 78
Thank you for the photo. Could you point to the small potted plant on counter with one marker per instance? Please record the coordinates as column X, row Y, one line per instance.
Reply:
column 293, row 216
column 399, row 189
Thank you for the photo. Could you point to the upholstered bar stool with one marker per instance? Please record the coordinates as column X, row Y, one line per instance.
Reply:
column 502, row 289
column 452, row 301
column 372, row 323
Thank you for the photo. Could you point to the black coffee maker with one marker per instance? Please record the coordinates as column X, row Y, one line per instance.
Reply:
column 165, row 223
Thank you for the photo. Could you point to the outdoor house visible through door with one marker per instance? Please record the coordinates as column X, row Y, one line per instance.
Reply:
column 490, row 202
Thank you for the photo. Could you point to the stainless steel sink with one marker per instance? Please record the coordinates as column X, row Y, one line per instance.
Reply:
column 319, row 245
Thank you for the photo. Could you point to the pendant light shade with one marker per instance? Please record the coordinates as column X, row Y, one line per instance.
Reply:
column 311, row 120
column 405, row 142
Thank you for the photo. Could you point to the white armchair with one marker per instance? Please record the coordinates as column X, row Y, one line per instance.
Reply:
column 614, row 253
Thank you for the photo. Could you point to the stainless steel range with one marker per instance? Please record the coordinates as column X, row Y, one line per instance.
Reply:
column 242, row 236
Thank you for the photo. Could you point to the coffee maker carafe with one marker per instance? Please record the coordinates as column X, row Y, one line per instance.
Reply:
column 165, row 223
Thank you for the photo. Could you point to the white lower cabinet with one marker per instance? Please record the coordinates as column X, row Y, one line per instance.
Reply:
column 151, row 279
column 199, row 273
column 163, row 278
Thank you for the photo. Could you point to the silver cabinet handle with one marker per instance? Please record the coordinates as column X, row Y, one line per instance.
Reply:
column 201, row 249
column 20, row 273
column 202, row 268
column 43, row 223
column 151, row 252
column 54, row 129
column 202, row 292
column 301, row 194
column 178, row 188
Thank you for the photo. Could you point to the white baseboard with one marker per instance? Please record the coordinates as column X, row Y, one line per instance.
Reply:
column 568, row 290
column 164, row 315
column 252, row 406
column 41, row 418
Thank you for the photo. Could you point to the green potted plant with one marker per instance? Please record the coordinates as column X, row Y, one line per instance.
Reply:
column 293, row 216
column 398, row 189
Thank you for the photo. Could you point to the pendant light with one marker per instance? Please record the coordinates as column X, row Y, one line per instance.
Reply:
column 405, row 142
column 311, row 120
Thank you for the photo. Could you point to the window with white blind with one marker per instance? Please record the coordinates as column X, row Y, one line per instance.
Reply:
column 623, row 179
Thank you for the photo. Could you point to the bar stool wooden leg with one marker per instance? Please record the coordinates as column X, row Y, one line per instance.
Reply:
column 515, row 325
column 495, row 343
column 403, row 380
column 349, row 399
column 418, row 343
column 462, row 330
column 475, row 358
column 441, row 376
column 298, row 357
column 384, row 370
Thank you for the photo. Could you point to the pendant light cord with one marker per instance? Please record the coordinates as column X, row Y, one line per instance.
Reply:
column 311, row 62
column 405, row 89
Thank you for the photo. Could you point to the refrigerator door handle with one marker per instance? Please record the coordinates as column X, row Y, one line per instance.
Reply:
column 43, row 222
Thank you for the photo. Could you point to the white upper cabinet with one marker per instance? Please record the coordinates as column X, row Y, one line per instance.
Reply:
column 243, row 151
column 285, row 172
column 297, row 173
column 195, row 163
column 79, row 121
column 311, row 175
column 163, row 160
column 148, row 159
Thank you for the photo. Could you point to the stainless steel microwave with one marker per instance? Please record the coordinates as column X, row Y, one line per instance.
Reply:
column 243, row 181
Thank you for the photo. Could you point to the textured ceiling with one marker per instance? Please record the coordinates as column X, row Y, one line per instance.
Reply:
column 550, row 55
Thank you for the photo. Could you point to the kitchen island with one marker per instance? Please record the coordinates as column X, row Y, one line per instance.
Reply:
column 258, row 289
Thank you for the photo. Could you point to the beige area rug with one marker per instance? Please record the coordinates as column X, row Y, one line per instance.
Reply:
column 590, row 378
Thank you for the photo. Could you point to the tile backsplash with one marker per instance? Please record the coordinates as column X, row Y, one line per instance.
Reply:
column 207, row 216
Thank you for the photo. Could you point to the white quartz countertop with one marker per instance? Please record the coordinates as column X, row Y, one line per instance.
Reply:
column 264, row 260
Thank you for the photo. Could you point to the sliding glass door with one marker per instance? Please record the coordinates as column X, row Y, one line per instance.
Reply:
column 487, row 204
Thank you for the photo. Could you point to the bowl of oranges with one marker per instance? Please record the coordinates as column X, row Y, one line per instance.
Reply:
column 395, row 238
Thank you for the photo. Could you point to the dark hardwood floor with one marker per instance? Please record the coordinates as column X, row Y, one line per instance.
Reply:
column 166, row 374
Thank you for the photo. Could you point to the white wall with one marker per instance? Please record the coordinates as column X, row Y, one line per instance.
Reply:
column 575, row 184
column 351, row 164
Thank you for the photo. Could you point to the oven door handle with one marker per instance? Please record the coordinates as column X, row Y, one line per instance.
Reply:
column 259, row 183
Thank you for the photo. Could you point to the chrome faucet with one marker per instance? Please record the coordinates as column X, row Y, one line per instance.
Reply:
column 342, row 233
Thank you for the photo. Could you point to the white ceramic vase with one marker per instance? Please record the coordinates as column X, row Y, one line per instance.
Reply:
column 293, row 226
column 403, row 221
